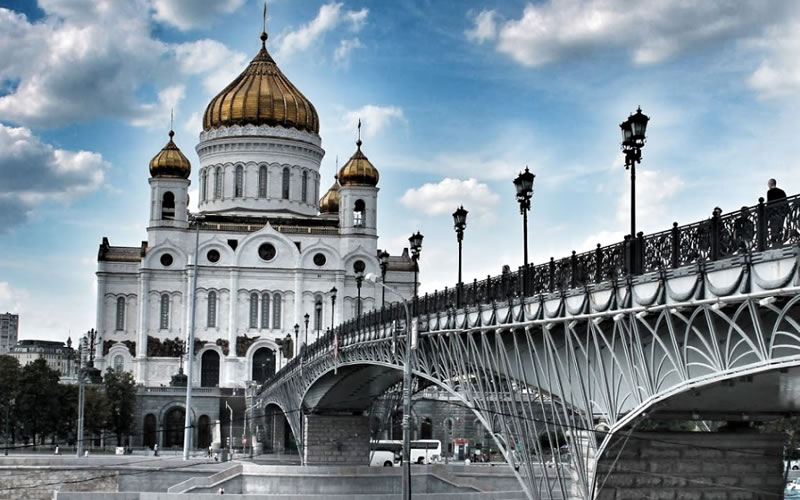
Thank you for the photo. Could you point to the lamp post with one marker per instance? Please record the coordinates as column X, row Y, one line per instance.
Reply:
column 524, row 185
column 459, row 224
column 318, row 317
column 230, row 429
column 359, row 280
column 187, row 426
column 333, row 305
column 406, row 483
column 416, row 247
column 305, row 338
column 633, row 139
column 383, row 257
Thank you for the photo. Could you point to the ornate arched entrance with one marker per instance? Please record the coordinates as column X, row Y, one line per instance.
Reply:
column 174, row 424
column 209, row 369
column 263, row 364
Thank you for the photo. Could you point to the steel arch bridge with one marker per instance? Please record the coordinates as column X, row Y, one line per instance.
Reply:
column 589, row 356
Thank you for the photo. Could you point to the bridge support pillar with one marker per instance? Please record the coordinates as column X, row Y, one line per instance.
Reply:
column 278, row 432
column 691, row 466
column 336, row 440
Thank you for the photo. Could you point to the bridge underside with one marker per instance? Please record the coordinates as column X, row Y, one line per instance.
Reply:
column 352, row 388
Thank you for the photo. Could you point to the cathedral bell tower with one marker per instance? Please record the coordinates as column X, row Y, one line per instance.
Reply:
column 358, row 194
column 169, row 186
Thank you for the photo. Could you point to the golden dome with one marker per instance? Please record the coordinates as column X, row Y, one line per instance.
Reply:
column 261, row 95
column 329, row 203
column 170, row 162
column 358, row 171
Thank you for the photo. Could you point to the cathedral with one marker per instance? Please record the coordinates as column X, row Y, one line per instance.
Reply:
column 265, row 264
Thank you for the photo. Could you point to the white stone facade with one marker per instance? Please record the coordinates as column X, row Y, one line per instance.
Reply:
column 264, row 259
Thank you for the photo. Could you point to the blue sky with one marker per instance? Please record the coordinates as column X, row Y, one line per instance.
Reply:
column 456, row 98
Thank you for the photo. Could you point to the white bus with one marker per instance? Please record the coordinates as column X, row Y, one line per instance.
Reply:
column 385, row 453
column 425, row 451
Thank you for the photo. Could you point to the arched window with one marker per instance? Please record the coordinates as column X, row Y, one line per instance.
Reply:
column 218, row 183
column 285, row 181
column 164, row 317
column 211, row 316
column 121, row 313
column 202, row 185
column 209, row 369
column 262, row 181
column 239, row 187
column 253, row 310
column 276, row 311
column 168, row 206
column 359, row 219
column 318, row 312
column 265, row 311
column 304, row 194
column 119, row 363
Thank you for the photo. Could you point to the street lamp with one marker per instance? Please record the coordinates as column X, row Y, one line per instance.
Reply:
column 318, row 317
column 416, row 247
column 359, row 280
column 459, row 224
column 406, row 483
column 187, row 426
column 633, row 139
column 333, row 304
column 524, row 185
column 305, row 338
column 383, row 257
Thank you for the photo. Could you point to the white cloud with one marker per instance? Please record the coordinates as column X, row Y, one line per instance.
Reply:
column 12, row 299
column 342, row 53
column 212, row 58
column 34, row 172
column 329, row 17
column 373, row 118
column 485, row 27
column 189, row 14
column 778, row 74
column 88, row 59
column 651, row 31
column 194, row 125
column 157, row 115
column 445, row 196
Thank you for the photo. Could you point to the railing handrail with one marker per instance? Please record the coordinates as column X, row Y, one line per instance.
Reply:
column 723, row 235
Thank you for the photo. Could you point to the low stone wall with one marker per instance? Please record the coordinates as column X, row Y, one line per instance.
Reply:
column 336, row 440
column 692, row 466
column 39, row 483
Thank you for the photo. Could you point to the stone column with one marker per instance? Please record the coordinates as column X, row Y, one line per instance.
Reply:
column 336, row 440
column 100, row 315
column 232, row 316
column 278, row 435
column 144, row 315
column 298, row 309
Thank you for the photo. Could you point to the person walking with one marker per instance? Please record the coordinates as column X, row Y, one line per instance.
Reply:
column 777, row 210
column 155, row 449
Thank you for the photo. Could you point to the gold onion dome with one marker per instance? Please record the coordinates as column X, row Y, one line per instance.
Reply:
column 329, row 203
column 170, row 162
column 358, row 171
column 261, row 95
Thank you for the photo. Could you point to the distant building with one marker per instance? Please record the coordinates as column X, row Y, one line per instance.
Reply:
column 59, row 356
column 9, row 326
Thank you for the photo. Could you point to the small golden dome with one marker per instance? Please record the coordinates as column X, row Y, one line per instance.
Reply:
column 261, row 95
column 170, row 162
column 358, row 171
column 329, row 203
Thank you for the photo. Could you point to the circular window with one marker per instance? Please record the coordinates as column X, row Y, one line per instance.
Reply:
column 267, row 251
column 166, row 260
column 359, row 266
column 212, row 256
column 319, row 259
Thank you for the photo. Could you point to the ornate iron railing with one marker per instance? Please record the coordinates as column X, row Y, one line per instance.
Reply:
column 761, row 227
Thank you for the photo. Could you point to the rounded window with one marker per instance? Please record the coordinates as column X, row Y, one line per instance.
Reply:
column 267, row 251
column 359, row 266
column 319, row 259
column 166, row 260
column 212, row 256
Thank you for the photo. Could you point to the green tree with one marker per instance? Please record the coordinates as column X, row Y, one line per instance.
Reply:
column 121, row 394
column 67, row 425
column 96, row 410
column 9, row 389
column 37, row 405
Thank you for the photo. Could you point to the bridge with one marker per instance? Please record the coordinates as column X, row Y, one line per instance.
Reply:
column 698, row 322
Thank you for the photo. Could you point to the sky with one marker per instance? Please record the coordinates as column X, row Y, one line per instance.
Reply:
column 456, row 97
